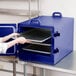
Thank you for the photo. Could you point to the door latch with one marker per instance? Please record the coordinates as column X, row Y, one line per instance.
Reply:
column 56, row 34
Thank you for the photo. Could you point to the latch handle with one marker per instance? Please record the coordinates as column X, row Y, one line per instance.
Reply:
column 56, row 34
column 56, row 51
column 57, row 15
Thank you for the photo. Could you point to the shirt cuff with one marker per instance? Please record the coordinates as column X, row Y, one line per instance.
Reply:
column 3, row 48
column 1, row 40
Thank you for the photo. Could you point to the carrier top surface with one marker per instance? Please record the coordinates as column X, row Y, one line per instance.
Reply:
column 49, row 20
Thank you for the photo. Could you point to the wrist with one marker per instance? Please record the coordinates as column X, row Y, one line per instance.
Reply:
column 11, row 43
column 16, row 41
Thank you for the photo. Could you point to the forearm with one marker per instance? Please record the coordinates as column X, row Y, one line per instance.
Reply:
column 20, row 40
column 9, row 36
column 6, row 38
column 12, row 43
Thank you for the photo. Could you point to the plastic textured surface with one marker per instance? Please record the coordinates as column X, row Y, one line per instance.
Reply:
column 6, row 29
column 63, row 42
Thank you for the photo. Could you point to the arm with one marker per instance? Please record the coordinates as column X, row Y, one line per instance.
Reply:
column 5, row 46
column 20, row 40
column 3, row 39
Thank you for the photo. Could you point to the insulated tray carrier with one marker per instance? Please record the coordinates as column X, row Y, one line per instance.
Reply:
column 51, row 36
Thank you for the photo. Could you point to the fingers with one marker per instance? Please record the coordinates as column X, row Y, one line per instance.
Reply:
column 28, row 41
column 22, row 40
column 14, row 35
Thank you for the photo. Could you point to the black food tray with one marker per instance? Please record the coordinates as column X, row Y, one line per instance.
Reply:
column 38, row 48
column 37, row 35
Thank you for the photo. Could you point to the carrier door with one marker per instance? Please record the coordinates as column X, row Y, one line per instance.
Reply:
column 6, row 29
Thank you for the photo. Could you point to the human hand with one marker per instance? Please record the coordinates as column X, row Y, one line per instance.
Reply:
column 14, row 34
column 22, row 40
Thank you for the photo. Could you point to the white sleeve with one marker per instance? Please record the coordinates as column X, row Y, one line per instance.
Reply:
column 0, row 40
column 3, row 48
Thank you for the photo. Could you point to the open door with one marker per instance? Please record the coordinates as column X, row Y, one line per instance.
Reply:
column 6, row 29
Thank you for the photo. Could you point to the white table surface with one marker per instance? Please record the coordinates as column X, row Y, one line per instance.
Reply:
column 66, row 65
